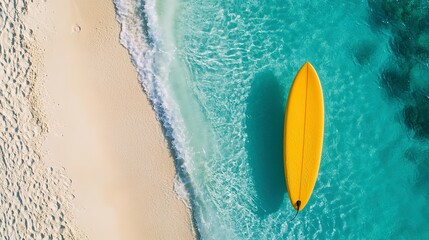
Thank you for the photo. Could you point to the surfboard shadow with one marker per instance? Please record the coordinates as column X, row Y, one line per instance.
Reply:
column 265, row 114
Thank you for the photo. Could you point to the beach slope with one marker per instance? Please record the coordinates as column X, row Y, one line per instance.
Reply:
column 102, row 129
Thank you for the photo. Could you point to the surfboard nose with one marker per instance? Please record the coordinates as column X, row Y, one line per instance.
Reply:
column 309, row 66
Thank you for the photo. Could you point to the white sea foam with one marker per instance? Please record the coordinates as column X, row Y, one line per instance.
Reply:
column 152, row 55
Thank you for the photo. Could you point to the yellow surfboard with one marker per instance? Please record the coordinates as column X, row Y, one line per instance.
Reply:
column 303, row 135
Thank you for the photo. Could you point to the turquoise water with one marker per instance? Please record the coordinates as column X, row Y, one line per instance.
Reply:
column 218, row 74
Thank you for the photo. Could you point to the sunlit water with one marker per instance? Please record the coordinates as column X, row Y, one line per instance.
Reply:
column 218, row 74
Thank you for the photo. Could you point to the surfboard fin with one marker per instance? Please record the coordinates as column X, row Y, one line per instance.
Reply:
column 298, row 204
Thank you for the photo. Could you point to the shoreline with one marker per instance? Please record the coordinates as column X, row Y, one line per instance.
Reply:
column 102, row 128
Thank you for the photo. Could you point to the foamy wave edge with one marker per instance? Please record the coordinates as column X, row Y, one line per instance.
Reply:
column 140, row 36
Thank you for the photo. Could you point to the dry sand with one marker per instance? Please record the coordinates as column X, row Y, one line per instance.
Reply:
column 34, row 198
column 102, row 129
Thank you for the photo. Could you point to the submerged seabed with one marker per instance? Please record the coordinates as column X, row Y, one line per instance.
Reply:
column 218, row 74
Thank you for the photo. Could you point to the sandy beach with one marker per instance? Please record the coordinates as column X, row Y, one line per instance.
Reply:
column 102, row 130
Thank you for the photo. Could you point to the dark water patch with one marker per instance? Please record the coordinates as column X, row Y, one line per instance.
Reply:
column 395, row 80
column 410, row 47
column 406, row 75
column 416, row 116
column 403, row 45
column 364, row 51
column 265, row 114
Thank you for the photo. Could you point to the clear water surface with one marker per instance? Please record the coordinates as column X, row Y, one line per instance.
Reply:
column 218, row 74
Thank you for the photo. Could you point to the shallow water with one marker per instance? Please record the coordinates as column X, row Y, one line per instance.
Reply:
column 218, row 74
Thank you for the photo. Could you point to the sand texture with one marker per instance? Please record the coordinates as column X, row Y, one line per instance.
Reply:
column 34, row 198
column 82, row 154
